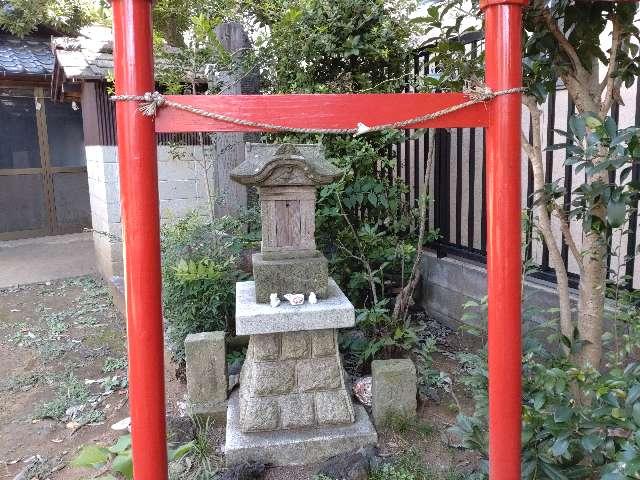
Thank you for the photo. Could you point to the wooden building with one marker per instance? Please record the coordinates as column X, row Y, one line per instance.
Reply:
column 43, row 175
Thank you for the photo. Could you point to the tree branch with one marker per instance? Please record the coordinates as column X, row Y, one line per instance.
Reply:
column 360, row 258
column 568, row 236
column 610, row 84
column 534, row 152
column 406, row 294
column 563, row 42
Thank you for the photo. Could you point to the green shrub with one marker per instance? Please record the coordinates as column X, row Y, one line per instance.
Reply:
column 578, row 423
column 200, row 268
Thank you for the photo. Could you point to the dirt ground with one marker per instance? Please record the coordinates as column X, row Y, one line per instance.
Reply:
column 63, row 385
column 62, row 348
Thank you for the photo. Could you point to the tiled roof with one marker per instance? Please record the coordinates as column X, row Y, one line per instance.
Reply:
column 28, row 56
column 88, row 56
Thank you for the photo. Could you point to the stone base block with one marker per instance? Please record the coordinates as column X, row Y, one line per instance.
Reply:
column 294, row 275
column 291, row 447
column 212, row 412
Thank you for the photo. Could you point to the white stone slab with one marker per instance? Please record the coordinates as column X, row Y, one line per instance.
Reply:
column 335, row 311
column 291, row 447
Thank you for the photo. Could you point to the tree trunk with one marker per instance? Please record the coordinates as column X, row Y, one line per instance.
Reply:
column 592, row 295
column 592, row 288
column 589, row 94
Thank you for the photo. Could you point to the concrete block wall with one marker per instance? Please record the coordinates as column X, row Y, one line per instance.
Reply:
column 181, row 184
column 449, row 282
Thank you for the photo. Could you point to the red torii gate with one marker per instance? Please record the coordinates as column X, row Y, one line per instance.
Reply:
column 140, row 209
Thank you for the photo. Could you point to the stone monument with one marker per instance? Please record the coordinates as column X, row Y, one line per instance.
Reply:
column 293, row 406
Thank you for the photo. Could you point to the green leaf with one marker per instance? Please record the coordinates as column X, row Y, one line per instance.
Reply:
column 552, row 472
column 635, row 411
column 578, row 126
column 557, row 146
column 538, row 400
column 181, row 451
column 614, row 476
column 560, row 447
column 562, row 414
column 616, row 210
column 122, row 444
column 618, row 413
column 91, row 456
column 123, row 464
column 633, row 395
column 591, row 442
column 610, row 127
column 592, row 121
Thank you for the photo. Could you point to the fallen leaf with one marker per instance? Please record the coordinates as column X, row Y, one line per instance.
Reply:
column 73, row 425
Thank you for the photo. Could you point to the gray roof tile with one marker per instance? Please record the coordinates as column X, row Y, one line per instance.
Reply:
column 28, row 56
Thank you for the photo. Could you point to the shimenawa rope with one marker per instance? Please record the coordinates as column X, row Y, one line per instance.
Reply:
column 152, row 101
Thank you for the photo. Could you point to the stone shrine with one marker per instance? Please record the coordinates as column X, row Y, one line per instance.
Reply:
column 293, row 406
column 287, row 177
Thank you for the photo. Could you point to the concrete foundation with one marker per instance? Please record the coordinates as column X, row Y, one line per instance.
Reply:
column 449, row 282
column 33, row 260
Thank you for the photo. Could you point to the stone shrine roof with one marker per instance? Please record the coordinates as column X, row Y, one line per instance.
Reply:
column 285, row 164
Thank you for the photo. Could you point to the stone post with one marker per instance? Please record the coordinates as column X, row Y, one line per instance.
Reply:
column 207, row 375
column 394, row 385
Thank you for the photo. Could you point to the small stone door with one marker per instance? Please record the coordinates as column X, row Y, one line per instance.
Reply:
column 43, row 173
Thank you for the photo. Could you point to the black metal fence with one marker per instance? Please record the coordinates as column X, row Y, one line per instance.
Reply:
column 457, row 208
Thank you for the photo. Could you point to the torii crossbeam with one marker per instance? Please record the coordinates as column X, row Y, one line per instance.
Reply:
column 500, row 117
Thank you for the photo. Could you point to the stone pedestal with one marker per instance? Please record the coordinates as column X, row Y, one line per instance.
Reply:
column 292, row 390
column 293, row 380
column 295, row 447
column 290, row 275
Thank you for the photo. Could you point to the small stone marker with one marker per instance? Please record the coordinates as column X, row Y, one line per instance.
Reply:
column 393, row 389
column 207, row 375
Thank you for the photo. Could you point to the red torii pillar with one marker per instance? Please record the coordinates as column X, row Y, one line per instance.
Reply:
column 133, row 57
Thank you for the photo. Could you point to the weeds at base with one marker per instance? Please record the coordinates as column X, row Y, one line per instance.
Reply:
column 202, row 462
